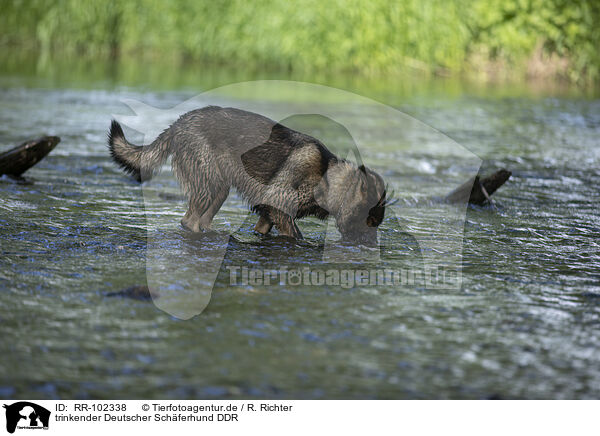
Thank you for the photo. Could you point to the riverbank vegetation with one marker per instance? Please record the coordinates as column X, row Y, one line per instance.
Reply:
column 556, row 39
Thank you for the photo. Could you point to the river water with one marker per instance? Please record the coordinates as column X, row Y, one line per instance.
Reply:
column 524, row 322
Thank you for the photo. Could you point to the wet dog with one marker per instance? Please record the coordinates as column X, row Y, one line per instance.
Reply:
column 283, row 174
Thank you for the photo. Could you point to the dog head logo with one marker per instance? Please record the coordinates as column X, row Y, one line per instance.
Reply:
column 26, row 415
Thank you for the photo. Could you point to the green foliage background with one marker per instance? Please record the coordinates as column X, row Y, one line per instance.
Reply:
column 367, row 36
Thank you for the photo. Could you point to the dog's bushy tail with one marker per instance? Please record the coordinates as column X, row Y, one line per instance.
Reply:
column 139, row 161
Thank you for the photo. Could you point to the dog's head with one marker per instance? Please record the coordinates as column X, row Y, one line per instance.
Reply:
column 356, row 197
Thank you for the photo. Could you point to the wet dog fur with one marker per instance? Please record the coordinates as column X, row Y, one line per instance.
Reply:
column 283, row 174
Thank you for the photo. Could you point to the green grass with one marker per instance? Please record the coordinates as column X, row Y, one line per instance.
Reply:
column 557, row 37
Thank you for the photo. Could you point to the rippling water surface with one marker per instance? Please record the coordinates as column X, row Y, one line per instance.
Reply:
column 524, row 324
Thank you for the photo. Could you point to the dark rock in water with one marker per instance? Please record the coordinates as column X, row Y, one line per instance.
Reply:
column 137, row 292
column 15, row 179
column 16, row 161
column 477, row 190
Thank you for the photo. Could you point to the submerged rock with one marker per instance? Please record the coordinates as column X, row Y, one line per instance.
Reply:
column 137, row 292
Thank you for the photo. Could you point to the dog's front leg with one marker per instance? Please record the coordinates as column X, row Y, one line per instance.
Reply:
column 264, row 225
column 286, row 225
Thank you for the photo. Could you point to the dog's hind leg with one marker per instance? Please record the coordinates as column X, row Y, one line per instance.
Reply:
column 193, row 219
column 202, row 209
column 219, row 198
column 203, row 181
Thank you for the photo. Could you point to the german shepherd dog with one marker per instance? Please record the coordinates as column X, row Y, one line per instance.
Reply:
column 283, row 174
